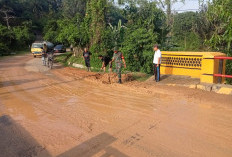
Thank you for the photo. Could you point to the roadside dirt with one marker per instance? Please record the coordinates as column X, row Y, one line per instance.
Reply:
column 67, row 112
column 105, row 78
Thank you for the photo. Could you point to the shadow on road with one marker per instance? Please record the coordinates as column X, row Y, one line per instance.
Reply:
column 163, row 77
column 17, row 82
column 93, row 146
column 52, row 84
column 11, row 65
column 17, row 142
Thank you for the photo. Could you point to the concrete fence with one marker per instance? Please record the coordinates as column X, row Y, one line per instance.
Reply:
column 200, row 65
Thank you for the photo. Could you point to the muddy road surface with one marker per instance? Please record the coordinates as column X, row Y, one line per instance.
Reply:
column 67, row 112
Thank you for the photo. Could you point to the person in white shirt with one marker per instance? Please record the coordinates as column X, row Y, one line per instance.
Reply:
column 157, row 62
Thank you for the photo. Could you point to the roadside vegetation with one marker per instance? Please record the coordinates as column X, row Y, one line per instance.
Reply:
column 134, row 26
column 67, row 59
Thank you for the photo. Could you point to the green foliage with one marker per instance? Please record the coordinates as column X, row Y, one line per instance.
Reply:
column 18, row 38
column 67, row 58
column 67, row 31
column 219, row 15
column 117, row 33
column 140, row 76
column 95, row 15
column 144, row 28
column 229, row 71
column 73, row 7
column 184, row 32
column 137, row 49
column 6, row 36
column 23, row 35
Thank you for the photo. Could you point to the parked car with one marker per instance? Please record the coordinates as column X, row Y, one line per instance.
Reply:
column 59, row 49
column 37, row 47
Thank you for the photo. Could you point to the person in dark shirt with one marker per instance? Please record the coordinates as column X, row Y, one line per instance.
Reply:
column 86, row 57
column 44, row 53
column 105, row 62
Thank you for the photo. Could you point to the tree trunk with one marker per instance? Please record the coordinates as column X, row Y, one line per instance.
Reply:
column 168, row 3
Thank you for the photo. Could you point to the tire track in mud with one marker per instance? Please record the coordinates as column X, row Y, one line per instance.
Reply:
column 36, row 101
column 144, row 124
column 64, row 90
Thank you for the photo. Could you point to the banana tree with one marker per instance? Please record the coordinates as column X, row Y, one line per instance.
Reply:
column 117, row 32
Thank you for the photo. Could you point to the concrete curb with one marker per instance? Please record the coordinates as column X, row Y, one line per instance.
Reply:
column 216, row 88
column 78, row 65
column 192, row 86
column 222, row 89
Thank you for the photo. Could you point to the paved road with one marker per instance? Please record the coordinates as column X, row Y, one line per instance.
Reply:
column 55, row 113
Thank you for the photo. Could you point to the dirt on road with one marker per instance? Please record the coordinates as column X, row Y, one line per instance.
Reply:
column 66, row 112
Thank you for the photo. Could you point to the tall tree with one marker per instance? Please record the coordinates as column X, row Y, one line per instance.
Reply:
column 168, row 5
column 220, row 17
column 7, row 15
column 72, row 7
column 95, row 14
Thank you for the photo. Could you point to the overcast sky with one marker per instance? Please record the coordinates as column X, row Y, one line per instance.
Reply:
column 189, row 5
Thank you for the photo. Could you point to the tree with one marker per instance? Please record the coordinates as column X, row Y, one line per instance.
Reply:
column 117, row 33
column 168, row 5
column 7, row 15
column 72, row 7
column 183, row 31
column 219, row 15
column 95, row 19
column 145, row 24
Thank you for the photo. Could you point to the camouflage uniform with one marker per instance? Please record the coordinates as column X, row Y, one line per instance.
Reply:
column 118, row 63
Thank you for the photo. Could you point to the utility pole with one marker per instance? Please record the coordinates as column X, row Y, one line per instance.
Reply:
column 201, row 4
column 168, row 4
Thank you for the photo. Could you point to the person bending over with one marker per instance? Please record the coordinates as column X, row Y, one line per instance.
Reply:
column 105, row 62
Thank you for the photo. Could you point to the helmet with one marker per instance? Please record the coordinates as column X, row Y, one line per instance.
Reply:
column 116, row 48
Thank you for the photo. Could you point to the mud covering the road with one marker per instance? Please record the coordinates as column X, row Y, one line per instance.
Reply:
column 105, row 78
column 35, row 65
column 67, row 112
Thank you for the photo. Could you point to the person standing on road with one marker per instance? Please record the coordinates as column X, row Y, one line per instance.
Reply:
column 118, row 58
column 157, row 62
column 105, row 62
column 86, row 57
column 44, row 53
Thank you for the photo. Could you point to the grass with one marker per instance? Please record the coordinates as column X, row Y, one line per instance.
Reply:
column 16, row 52
column 22, row 52
column 141, row 77
column 67, row 60
column 63, row 58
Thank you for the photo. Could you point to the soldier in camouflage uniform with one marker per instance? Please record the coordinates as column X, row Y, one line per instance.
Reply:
column 119, row 59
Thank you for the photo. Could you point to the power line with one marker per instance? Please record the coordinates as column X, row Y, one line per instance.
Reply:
column 185, row 10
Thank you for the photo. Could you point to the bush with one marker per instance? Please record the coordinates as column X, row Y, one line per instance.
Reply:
column 16, row 38
column 4, row 50
column 6, row 36
column 229, row 71
column 22, row 36
column 137, row 49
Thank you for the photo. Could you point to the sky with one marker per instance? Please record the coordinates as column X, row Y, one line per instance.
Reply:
column 189, row 5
